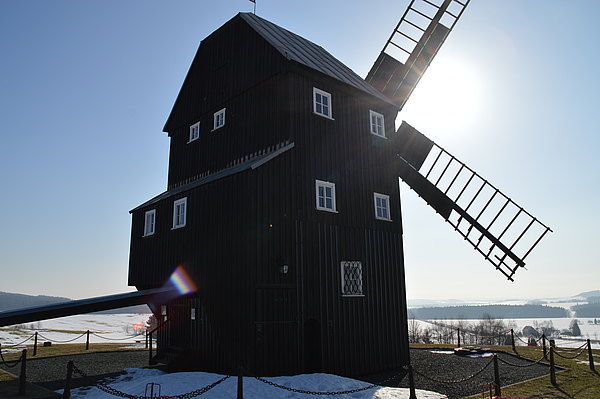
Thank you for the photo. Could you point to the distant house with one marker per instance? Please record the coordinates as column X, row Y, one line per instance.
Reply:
column 282, row 207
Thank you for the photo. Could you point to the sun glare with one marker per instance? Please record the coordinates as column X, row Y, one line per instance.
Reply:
column 448, row 97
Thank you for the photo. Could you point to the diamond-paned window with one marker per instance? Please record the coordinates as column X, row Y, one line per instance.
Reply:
column 352, row 278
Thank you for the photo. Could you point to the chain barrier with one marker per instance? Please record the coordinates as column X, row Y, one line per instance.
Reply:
column 572, row 349
column 455, row 381
column 571, row 357
column 60, row 341
column 521, row 365
column 7, row 364
column 116, row 339
column 537, row 341
column 19, row 344
column 115, row 392
column 327, row 393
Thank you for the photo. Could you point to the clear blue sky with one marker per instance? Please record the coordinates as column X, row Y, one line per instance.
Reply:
column 85, row 89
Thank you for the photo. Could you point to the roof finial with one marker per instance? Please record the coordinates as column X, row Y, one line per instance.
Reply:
column 254, row 1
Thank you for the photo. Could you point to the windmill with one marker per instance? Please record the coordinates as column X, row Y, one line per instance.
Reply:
column 496, row 226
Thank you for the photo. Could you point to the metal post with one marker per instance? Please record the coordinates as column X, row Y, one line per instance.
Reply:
column 87, row 340
column 240, row 384
column 552, row 370
column 67, row 391
column 35, row 344
column 23, row 375
column 590, row 355
column 512, row 340
column 458, row 332
column 411, row 382
column 544, row 346
column 497, row 391
column 146, row 346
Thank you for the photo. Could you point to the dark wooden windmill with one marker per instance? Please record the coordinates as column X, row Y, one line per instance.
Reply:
column 283, row 206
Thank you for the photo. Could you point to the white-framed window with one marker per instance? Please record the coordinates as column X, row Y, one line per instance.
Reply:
column 382, row 206
column 325, row 196
column 163, row 312
column 352, row 282
column 219, row 119
column 149, row 222
column 377, row 124
column 194, row 132
column 179, row 212
column 322, row 103
column 193, row 314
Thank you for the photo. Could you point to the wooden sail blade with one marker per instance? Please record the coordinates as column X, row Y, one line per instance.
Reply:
column 498, row 228
column 412, row 46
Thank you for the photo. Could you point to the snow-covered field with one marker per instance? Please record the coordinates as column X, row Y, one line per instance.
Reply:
column 589, row 330
column 103, row 328
column 135, row 380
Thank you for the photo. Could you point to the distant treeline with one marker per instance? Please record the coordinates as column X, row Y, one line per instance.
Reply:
column 495, row 311
column 10, row 301
column 589, row 310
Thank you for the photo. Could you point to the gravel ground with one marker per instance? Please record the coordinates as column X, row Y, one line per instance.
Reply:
column 450, row 367
column 50, row 372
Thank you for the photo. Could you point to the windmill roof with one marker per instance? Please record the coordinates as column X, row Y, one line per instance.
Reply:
column 249, row 163
column 307, row 53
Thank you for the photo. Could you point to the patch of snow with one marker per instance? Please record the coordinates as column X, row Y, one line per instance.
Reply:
column 443, row 352
column 134, row 382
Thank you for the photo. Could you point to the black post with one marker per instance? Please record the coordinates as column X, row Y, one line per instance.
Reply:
column 497, row 391
column 458, row 332
column 67, row 391
column 590, row 355
column 240, row 383
column 544, row 346
column 411, row 382
column 23, row 375
column 87, row 340
column 146, row 346
column 552, row 370
column 150, row 348
column 35, row 344
column 512, row 340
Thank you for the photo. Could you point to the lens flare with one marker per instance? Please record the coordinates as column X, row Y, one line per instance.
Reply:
column 182, row 281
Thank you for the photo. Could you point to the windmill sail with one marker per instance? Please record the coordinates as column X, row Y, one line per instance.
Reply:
column 412, row 46
column 498, row 228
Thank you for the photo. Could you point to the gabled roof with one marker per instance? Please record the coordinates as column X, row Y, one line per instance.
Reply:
column 307, row 53
column 249, row 163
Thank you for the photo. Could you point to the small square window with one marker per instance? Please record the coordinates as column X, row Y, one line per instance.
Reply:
column 149, row 222
column 179, row 213
column 382, row 206
column 322, row 103
column 377, row 123
column 194, row 132
column 163, row 312
column 352, row 284
column 193, row 314
column 325, row 196
column 219, row 119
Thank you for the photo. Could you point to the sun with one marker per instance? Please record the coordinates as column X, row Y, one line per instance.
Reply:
column 448, row 97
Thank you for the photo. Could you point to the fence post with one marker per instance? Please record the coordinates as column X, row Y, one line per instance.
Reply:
column 150, row 348
column 590, row 355
column 411, row 382
column 23, row 375
column 146, row 346
column 512, row 340
column 544, row 346
column 458, row 333
column 552, row 370
column 240, row 383
column 67, row 391
column 497, row 390
column 35, row 344
column 87, row 340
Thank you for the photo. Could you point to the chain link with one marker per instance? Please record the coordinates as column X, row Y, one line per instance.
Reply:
column 521, row 365
column 117, row 339
column 10, row 365
column 19, row 344
column 571, row 357
column 115, row 392
column 455, row 381
column 59, row 341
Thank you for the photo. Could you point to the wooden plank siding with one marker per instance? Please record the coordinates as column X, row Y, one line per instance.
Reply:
column 242, row 228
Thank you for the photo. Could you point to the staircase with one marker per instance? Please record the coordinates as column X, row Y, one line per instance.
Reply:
column 412, row 46
column 498, row 228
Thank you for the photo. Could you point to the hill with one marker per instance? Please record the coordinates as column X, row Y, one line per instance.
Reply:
column 495, row 311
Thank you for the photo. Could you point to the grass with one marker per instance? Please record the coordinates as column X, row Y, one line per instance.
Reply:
column 71, row 349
